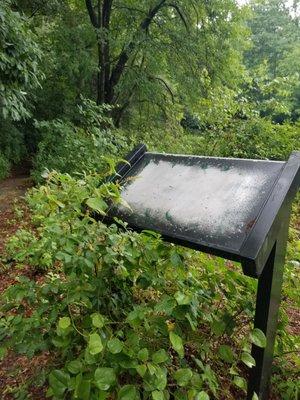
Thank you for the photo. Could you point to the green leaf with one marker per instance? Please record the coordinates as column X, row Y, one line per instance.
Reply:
column 226, row 353
column 183, row 376
column 115, row 345
column 59, row 382
column 97, row 320
column 97, row 204
column 202, row 396
column 141, row 370
column 240, row 382
column 254, row 397
column 248, row 359
column 182, row 298
column 160, row 356
column 176, row 342
column 83, row 390
column 258, row 338
column 95, row 344
column 127, row 392
column 158, row 395
column 104, row 378
column 64, row 323
column 143, row 354
column 74, row 367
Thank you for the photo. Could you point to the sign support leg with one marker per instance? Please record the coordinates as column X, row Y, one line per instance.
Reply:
column 266, row 316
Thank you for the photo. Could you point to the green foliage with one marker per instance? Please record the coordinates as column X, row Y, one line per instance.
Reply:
column 12, row 143
column 19, row 58
column 121, row 312
column 67, row 148
column 4, row 166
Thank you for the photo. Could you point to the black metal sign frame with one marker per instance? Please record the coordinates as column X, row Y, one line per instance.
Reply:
column 262, row 256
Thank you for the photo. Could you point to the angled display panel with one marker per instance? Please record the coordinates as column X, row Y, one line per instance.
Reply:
column 211, row 204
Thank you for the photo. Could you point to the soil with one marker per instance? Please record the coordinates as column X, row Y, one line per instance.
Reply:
column 17, row 371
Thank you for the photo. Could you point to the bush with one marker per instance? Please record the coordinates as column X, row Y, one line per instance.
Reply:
column 122, row 314
column 69, row 149
column 250, row 138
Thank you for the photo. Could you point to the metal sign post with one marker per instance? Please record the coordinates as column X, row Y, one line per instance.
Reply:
column 237, row 209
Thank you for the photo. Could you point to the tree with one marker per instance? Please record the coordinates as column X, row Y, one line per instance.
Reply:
column 162, row 47
column 273, row 60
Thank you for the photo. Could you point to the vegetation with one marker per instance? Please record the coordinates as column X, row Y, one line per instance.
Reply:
column 119, row 314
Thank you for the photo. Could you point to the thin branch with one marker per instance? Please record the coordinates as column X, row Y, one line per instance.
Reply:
column 179, row 12
column 165, row 85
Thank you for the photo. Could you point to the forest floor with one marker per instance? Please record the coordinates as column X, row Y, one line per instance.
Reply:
column 17, row 371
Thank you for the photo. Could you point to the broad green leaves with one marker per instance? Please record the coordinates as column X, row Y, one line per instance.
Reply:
column 183, row 376
column 59, row 382
column 104, row 378
column 97, row 320
column 177, row 344
column 64, row 323
column 258, row 338
column 97, row 204
column 95, row 345
column 115, row 346
column 226, row 353
column 128, row 392
column 248, row 359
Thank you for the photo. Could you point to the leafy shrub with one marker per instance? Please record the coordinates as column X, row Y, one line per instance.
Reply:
column 123, row 314
column 249, row 138
column 71, row 149
column 4, row 166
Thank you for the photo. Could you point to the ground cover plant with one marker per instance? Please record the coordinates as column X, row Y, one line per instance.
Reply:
column 124, row 315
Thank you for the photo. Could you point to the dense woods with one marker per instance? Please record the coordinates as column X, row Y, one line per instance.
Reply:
column 81, row 83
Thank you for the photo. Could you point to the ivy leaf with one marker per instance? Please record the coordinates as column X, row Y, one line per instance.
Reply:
column 160, row 356
column 248, row 360
column 115, row 345
column 104, row 378
column 64, row 323
column 59, row 382
column 158, row 395
column 127, row 392
column 97, row 204
column 202, row 396
column 183, row 376
column 95, row 344
column 226, row 353
column 177, row 345
column 258, row 338
column 97, row 320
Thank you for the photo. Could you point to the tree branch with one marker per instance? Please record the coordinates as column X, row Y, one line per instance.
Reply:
column 179, row 12
column 93, row 17
column 124, row 55
column 165, row 85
